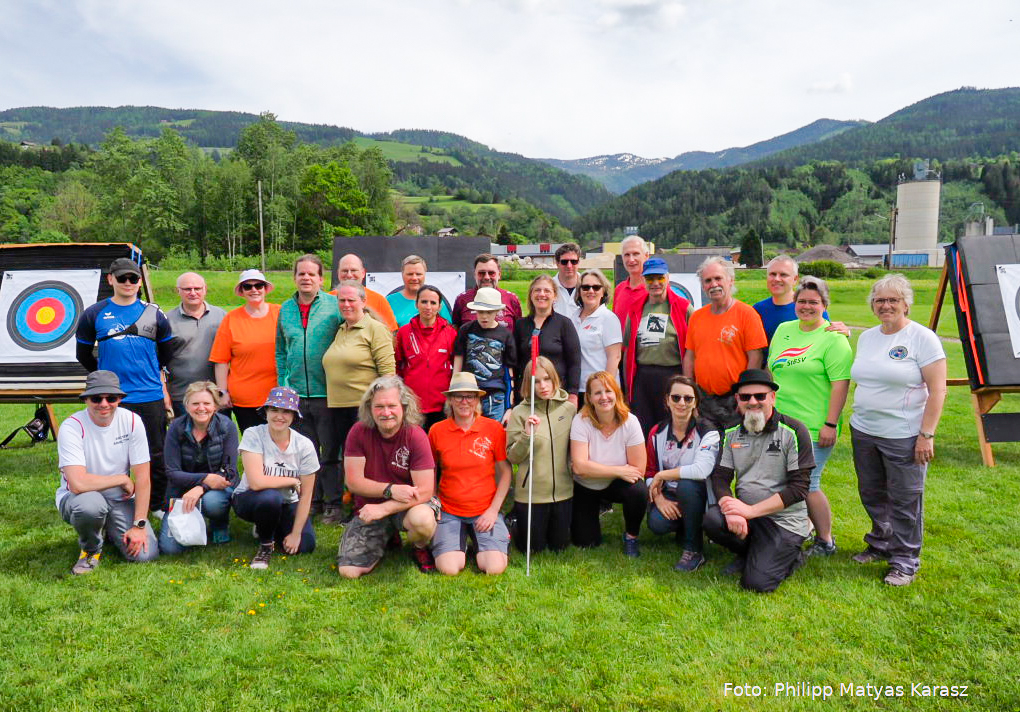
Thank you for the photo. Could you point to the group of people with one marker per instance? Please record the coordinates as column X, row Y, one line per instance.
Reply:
column 422, row 419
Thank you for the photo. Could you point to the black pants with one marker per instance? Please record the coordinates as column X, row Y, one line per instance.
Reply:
column 585, row 528
column 770, row 552
column 343, row 420
column 273, row 518
column 648, row 398
column 248, row 417
column 550, row 525
column 317, row 425
column 153, row 415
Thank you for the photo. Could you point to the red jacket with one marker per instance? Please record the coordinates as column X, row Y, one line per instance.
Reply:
column 677, row 314
column 425, row 360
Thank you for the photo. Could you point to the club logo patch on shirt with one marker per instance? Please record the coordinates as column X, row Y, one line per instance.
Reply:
column 791, row 357
column 728, row 334
column 898, row 353
column 401, row 457
column 481, row 447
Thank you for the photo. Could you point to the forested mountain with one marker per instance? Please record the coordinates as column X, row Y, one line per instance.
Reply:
column 621, row 171
column 957, row 124
column 476, row 166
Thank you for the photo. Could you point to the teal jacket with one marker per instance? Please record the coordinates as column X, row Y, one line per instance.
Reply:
column 299, row 349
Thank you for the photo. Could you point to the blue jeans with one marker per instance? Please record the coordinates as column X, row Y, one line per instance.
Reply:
column 215, row 505
column 692, row 495
column 494, row 405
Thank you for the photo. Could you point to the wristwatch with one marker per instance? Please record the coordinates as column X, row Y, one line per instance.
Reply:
column 388, row 492
column 140, row 523
column 926, row 436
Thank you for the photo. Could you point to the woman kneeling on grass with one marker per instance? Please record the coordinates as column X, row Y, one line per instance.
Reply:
column 470, row 452
column 682, row 452
column 608, row 453
column 552, row 489
column 275, row 491
column 201, row 463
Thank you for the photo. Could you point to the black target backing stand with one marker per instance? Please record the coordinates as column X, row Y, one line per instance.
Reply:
column 992, row 369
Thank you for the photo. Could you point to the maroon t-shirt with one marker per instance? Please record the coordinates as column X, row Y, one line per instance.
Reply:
column 389, row 460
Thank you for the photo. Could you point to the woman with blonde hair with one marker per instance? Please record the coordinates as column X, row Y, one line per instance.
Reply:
column 557, row 338
column 607, row 450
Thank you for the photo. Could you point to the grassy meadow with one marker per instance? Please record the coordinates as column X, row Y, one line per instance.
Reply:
column 589, row 630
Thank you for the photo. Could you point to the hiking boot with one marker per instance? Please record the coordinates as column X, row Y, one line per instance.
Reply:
column 689, row 561
column 869, row 556
column 735, row 567
column 423, row 557
column 895, row 577
column 332, row 515
column 86, row 563
column 630, row 547
column 261, row 559
column 822, row 547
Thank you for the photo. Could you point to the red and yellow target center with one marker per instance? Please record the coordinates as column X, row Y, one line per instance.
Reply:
column 45, row 315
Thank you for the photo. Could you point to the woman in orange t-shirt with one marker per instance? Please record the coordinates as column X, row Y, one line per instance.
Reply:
column 244, row 352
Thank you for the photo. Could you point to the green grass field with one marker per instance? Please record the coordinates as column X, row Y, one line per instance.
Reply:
column 405, row 152
column 589, row 630
column 449, row 202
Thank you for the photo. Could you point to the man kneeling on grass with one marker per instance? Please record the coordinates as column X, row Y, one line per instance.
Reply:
column 389, row 469
column 99, row 450
column 770, row 454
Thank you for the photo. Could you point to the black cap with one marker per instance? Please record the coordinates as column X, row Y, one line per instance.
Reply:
column 755, row 376
column 124, row 265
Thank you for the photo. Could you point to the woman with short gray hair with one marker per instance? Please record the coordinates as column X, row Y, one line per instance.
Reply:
column 900, row 371
column 598, row 329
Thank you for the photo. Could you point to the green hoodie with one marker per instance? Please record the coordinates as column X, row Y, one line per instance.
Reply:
column 553, row 482
column 299, row 349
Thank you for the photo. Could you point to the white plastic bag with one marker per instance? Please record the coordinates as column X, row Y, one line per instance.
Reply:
column 187, row 528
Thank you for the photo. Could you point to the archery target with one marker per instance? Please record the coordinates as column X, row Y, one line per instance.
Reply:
column 1009, row 288
column 687, row 286
column 41, row 311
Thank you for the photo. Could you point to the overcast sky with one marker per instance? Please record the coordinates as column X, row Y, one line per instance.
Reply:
column 544, row 78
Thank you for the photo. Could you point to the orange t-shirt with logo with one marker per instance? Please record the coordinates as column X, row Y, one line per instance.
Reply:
column 720, row 343
column 467, row 463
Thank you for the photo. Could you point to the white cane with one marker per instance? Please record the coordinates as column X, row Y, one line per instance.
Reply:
column 531, row 452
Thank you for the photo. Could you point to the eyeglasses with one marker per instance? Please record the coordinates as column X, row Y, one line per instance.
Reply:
column 248, row 286
column 676, row 398
column 190, row 289
column 112, row 400
column 133, row 278
column 809, row 302
column 568, row 261
column 882, row 301
column 591, row 287
column 760, row 397
column 464, row 396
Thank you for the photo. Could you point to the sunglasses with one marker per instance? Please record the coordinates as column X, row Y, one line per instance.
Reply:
column 591, row 287
column 133, row 278
column 568, row 261
column 655, row 278
column 112, row 400
column 248, row 286
column 760, row 397
column 676, row 398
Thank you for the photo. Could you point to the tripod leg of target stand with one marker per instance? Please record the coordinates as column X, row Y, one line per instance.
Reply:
column 52, row 417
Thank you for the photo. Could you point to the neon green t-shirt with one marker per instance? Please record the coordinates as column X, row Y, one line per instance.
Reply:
column 805, row 364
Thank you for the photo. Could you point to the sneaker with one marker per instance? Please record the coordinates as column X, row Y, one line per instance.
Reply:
column 332, row 515
column 261, row 559
column 822, row 547
column 895, row 577
column 86, row 563
column 735, row 567
column 869, row 556
column 630, row 547
column 423, row 557
column 690, row 561
column 220, row 536
column 605, row 508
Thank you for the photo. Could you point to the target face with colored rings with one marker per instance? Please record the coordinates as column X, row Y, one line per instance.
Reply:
column 44, row 315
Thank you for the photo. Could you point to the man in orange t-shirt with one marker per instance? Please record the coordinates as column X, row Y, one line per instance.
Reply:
column 724, row 338
column 470, row 453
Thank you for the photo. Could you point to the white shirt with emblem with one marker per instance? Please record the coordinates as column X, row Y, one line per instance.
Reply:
column 596, row 332
column 891, row 394
column 297, row 460
column 101, row 451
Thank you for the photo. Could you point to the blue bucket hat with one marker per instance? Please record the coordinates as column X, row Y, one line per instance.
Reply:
column 283, row 397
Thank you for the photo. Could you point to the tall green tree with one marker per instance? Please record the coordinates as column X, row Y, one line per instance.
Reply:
column 332, row 203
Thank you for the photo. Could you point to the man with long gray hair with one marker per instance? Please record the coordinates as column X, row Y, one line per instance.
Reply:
column 391, row 472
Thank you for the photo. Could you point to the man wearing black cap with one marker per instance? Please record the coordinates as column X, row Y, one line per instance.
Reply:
column 104, row 483
column 770, row 454
column 135, row 342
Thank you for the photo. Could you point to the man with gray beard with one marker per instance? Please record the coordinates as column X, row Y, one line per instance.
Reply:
column 770, row 456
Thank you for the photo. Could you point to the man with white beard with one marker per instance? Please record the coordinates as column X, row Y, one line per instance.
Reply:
column 770, row 456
